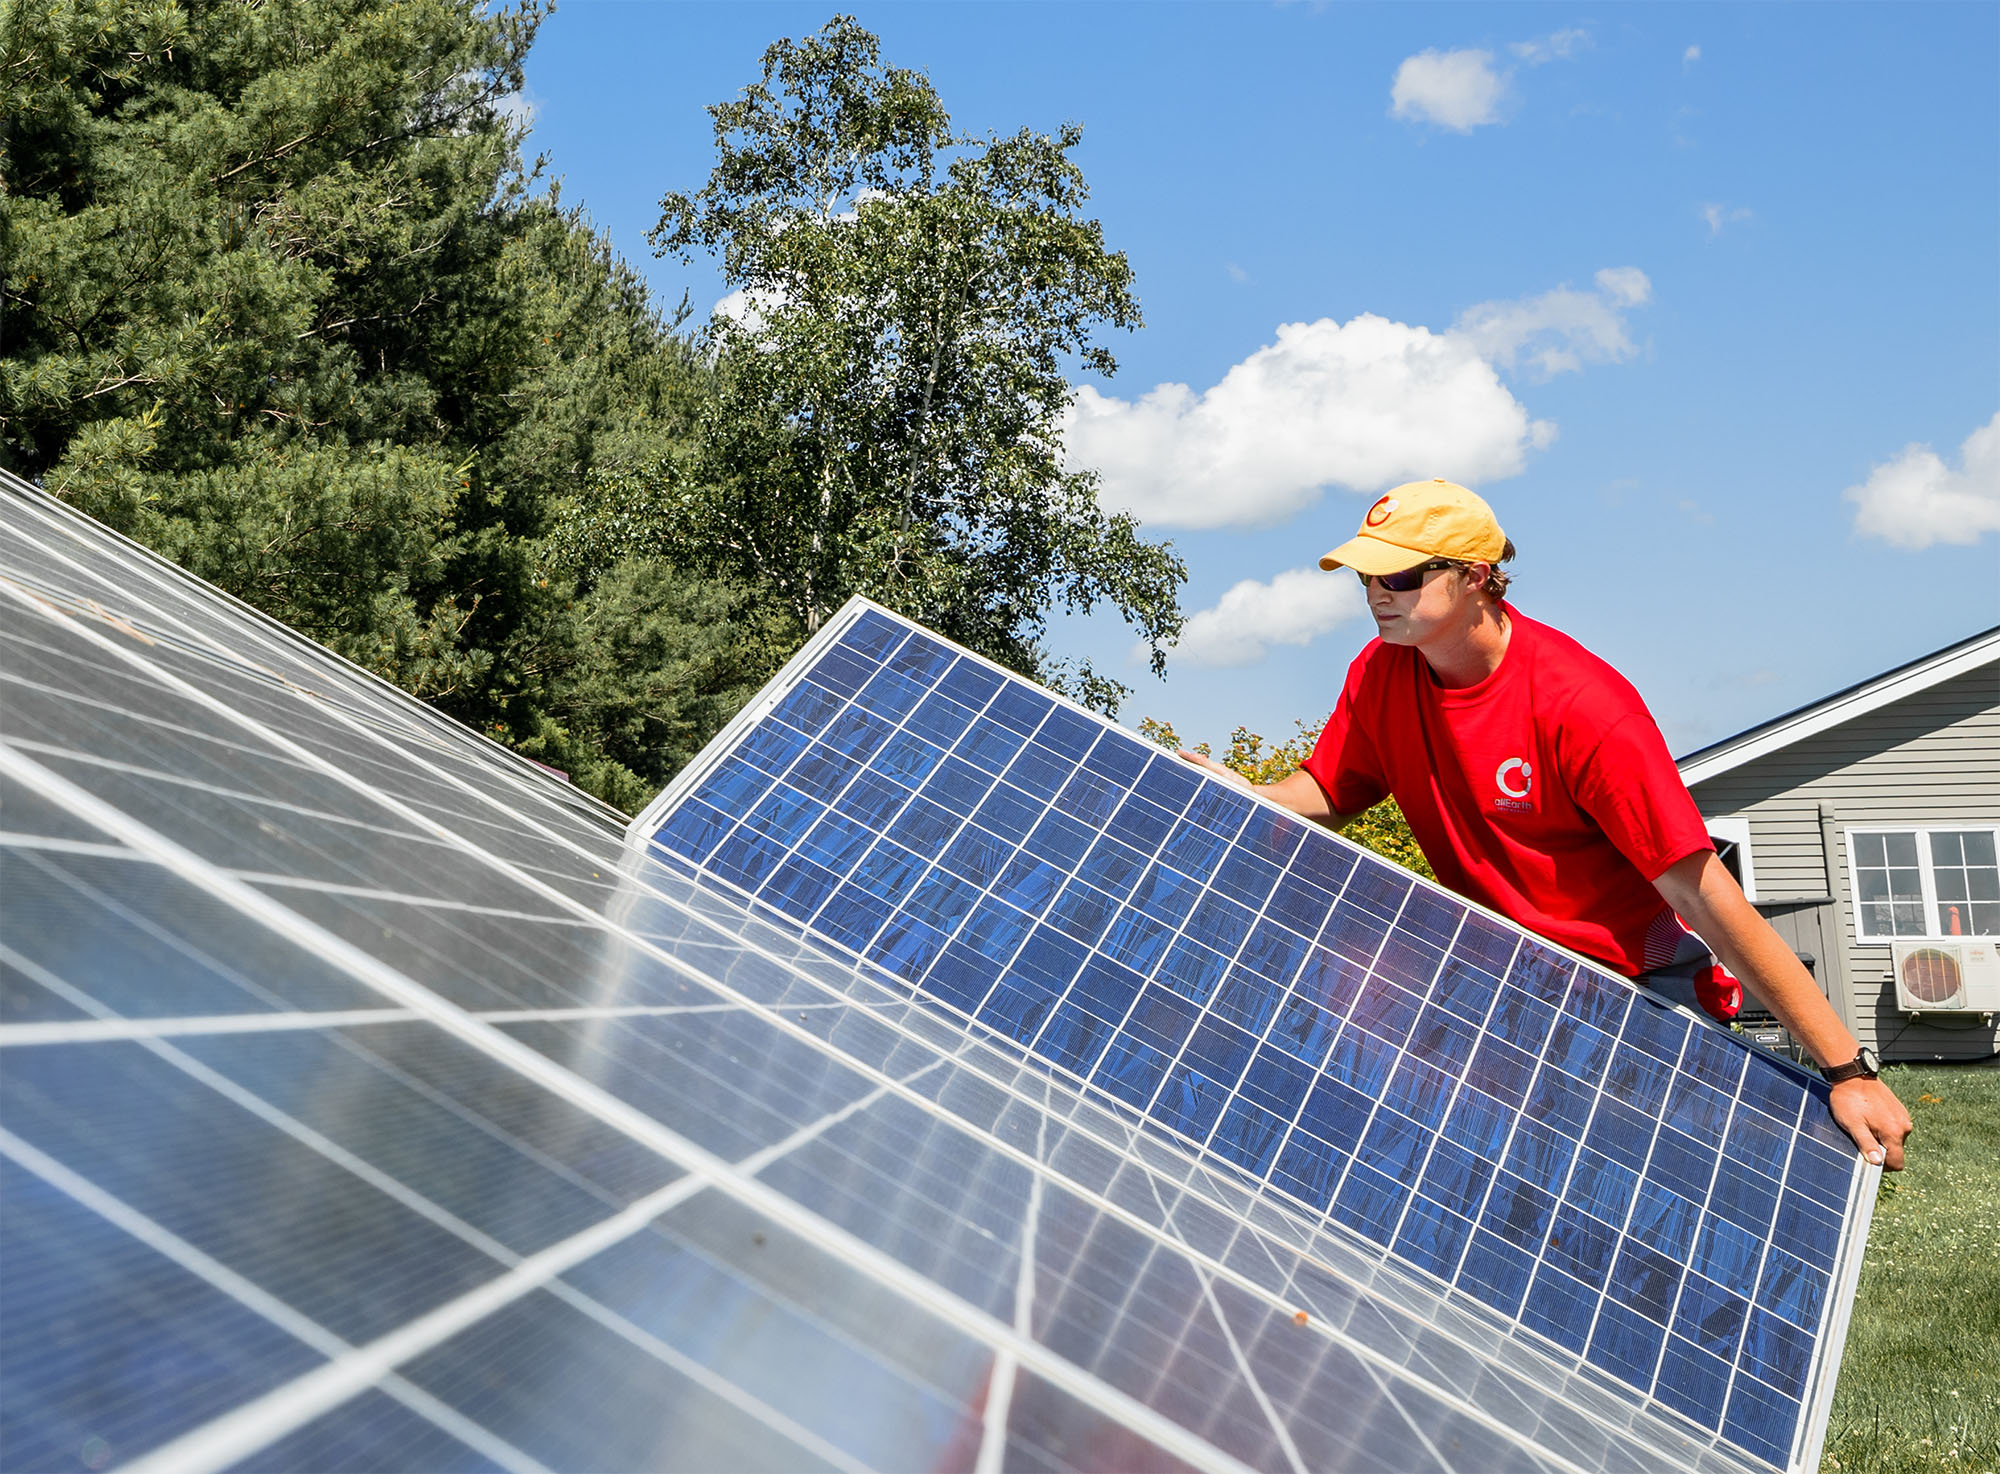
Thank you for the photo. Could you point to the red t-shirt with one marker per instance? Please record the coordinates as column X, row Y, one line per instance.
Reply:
column 1545, row 791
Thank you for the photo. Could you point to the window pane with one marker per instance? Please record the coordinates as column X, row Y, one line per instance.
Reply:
column 1889, row 886
column 1960, row 872
column 1985, row 919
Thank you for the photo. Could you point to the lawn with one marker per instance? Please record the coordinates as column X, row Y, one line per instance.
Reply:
column 1920, row 1382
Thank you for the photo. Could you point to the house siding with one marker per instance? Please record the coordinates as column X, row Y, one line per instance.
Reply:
column 1931, row 757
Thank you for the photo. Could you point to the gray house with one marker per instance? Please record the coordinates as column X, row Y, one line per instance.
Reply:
column 1864, row 827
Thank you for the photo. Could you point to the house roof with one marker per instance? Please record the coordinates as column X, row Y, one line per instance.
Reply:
column 1842, row 706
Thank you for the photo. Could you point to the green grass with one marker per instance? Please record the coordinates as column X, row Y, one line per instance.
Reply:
column 1920, row 1381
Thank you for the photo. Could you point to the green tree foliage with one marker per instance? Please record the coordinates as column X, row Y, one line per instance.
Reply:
column 889, row 397
column 1382, row 829
column 254, row 313
column 663, row 659
column 280, row 302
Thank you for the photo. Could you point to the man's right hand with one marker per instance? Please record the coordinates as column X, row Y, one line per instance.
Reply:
column 1300, row 792
column 1221, row 770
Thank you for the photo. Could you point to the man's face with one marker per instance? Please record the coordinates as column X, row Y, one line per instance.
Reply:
column 1443, row 608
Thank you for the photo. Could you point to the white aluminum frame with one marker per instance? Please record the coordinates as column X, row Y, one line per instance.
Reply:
column 1821, row 1378
column 1736, row 829
column 1926, row 878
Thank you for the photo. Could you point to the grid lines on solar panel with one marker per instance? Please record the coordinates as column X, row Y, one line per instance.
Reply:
column 272, row 1079
column 49, row 552
column 287, row 1070
column 659, row 1007
column 1478, row 1104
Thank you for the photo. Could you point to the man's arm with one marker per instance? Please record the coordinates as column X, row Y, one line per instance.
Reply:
column 1299, row 792
column 1705, row 895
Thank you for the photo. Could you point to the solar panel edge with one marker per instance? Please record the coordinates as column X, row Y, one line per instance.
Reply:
column 858, row 608
column 1832, row 1345
column 640, row 830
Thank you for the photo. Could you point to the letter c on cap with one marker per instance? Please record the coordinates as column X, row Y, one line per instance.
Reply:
column 1379, row 513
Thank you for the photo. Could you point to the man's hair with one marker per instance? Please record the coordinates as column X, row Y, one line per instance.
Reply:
column 1497, row 578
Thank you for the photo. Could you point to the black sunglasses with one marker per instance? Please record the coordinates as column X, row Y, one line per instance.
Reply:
column 1409, row 578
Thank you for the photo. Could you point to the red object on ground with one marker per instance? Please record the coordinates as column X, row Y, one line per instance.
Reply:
column 1718, row 992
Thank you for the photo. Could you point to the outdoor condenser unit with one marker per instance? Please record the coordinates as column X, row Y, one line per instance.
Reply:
column 1959, row 976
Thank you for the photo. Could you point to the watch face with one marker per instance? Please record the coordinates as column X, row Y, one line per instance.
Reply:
column 1869, row 1060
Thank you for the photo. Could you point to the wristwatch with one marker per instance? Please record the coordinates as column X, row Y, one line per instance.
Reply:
column 1864, row 1066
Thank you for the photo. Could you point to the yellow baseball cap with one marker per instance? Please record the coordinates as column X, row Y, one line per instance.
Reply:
column 1417, row 522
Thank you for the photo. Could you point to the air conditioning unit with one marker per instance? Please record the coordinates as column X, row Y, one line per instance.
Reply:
column 1960, row 976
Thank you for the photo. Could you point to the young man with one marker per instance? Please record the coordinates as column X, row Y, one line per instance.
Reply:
column 1538, row 784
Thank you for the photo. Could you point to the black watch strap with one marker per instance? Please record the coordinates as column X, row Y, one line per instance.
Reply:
column 1864, row 1066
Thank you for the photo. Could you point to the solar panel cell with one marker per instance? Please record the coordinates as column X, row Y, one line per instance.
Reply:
column 1760, row 1419
column 1693, row 1382
column 99, row 1387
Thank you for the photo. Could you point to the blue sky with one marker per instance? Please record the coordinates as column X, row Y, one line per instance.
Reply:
column 1704, row 299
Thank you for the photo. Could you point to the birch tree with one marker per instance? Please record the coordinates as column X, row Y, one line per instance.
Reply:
column 891, row 367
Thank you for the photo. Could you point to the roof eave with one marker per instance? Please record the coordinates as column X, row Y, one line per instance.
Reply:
column 1843, row 706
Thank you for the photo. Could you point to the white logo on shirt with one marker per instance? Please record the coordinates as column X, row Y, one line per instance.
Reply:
column 1507, row 770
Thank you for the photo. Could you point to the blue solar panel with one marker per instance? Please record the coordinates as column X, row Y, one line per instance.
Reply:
column 1615, row 1178
column 369, row 1100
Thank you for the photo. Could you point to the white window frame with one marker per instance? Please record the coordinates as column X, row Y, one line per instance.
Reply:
column 1736, row 829
column 1923, row 833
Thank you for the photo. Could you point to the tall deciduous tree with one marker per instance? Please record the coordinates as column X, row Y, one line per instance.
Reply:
column 891, row 379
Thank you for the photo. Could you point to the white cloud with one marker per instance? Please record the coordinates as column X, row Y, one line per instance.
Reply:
column 1295, row 608
column 1718, row 216
column 1458, row 90
column 1361, row 405
column 1235, row 272
column 1364, row 404
column 1690, row 56
column 1462, row 90
column 1562, row 330
column 1559, row 46
column 1917, row 500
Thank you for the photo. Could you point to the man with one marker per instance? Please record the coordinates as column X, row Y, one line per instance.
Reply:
column 1538, row 784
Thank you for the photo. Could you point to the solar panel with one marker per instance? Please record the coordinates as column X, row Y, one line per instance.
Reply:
column 1619, row 1186
column 369, row 1099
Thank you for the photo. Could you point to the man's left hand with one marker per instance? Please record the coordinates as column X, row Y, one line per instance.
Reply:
column 1868, row 1111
